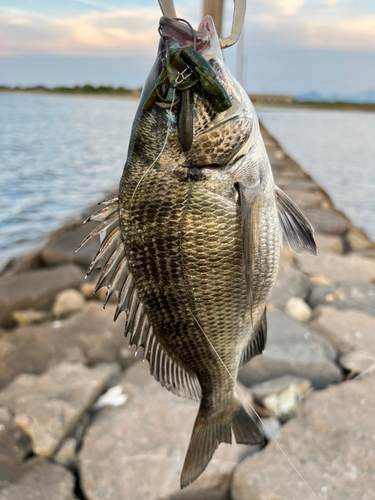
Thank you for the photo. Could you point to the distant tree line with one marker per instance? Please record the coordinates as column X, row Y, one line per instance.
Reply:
column 77, row 89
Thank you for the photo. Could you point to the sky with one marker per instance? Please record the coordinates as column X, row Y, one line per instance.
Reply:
column 290, row 46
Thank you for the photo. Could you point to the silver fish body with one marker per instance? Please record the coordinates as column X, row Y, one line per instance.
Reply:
column 191, row 246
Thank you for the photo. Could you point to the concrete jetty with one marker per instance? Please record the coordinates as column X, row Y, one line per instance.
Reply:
column 80, row 417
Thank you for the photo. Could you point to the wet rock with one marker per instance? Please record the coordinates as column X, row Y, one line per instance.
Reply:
column 292, row 350
column 36, row 480
column 88, row 337
column 62, row 247
column 338, row 268
column 326, row 243
column 297, row 309
column 345, row 330
column 331, row 444
column 67, row 302
column 48, row 407
column 357, row 361
column 66, row 455
column 35, row 289
column 15, row 444
column 30, row 317
column 353, row 295
column 141, row 453
column 290, row 283
column 327, row 221
column 305, row 200
column 274, row 386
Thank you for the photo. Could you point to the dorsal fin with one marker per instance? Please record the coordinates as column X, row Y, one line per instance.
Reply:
column 116, row 276
column 296, row 228
column 257, row 344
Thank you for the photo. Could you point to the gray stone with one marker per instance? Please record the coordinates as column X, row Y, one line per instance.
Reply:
column 36, row 289
column 48, row 407
column 66, row 455
column 30, row 317
column 15, row 444
column 89, row 337
column 290, row 283
column 291, row 184
column 61, row 249
column 274, row 386
column 331, row 443
column 354, row 295
column 338, row 268
column 358, row 240
column 326, row 243
column 292, row 350
column 327, row 221
column 270, row 427
column 36, row 480
column 345, row 330
column 137, row 450
column 285, row 405
column 297, row 309
column 67, row 302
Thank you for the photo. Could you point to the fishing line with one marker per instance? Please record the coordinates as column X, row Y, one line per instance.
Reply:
column 201, row 328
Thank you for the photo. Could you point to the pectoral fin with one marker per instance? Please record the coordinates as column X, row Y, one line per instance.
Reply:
column 296, row 228
column 251, row 215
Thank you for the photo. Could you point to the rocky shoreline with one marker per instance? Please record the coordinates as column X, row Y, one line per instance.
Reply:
column 80, row 417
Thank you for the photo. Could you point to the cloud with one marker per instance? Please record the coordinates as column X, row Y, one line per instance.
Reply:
column 287, row 7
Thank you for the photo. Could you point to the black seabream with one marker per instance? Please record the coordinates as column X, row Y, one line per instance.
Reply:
column 191, row 244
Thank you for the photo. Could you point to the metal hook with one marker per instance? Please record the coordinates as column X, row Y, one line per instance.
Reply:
column 167, row 8
column 238, row 20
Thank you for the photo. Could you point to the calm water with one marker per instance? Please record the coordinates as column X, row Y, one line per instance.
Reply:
column 337, row 148
column 59, row 155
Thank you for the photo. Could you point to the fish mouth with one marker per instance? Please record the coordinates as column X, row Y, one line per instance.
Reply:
column 186, row 36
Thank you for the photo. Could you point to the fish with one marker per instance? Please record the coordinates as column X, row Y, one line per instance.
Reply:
column 191, row 243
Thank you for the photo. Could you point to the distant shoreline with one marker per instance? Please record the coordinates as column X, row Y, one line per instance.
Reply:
column 123, row 93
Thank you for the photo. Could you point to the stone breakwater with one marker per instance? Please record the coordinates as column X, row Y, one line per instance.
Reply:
column 81, row 418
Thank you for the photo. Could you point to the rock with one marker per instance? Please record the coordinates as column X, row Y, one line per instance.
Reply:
column 62, row 247
column 30, row 317
column 36, row 289
column 88, row 337
column 331, row 444
column 66, row 455
column 88, row 288
column 297, row 309
column 358, row 240
column 354, row 295
column 304, row 199
column 15, row 444
column 326, row 243
column 67, row 302
column 290, row 283
column 292, row 350
column 141, row 453
column 304, row 185
column 345, row 330
column 287, row 258
column 36, row 479
column 270, row 427
column 285, row 405
column 338, row 268
column 357, row 361
column 274, row 386
column 48, row 407
column 327, row 221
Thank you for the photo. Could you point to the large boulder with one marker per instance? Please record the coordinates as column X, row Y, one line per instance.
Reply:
column 331, row 444
column 327, row 221
column 292, row 349
column 47, row 407
column 15, row 444
column 290, row 283
column 338, row 268
column 352, row 295
column 137, row 450
column 36, row 288
column 88, row 337
column 36, row 479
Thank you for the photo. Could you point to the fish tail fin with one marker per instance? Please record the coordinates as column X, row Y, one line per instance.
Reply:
column 211, row 430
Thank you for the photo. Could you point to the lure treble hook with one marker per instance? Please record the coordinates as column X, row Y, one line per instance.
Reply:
column 168, row 10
